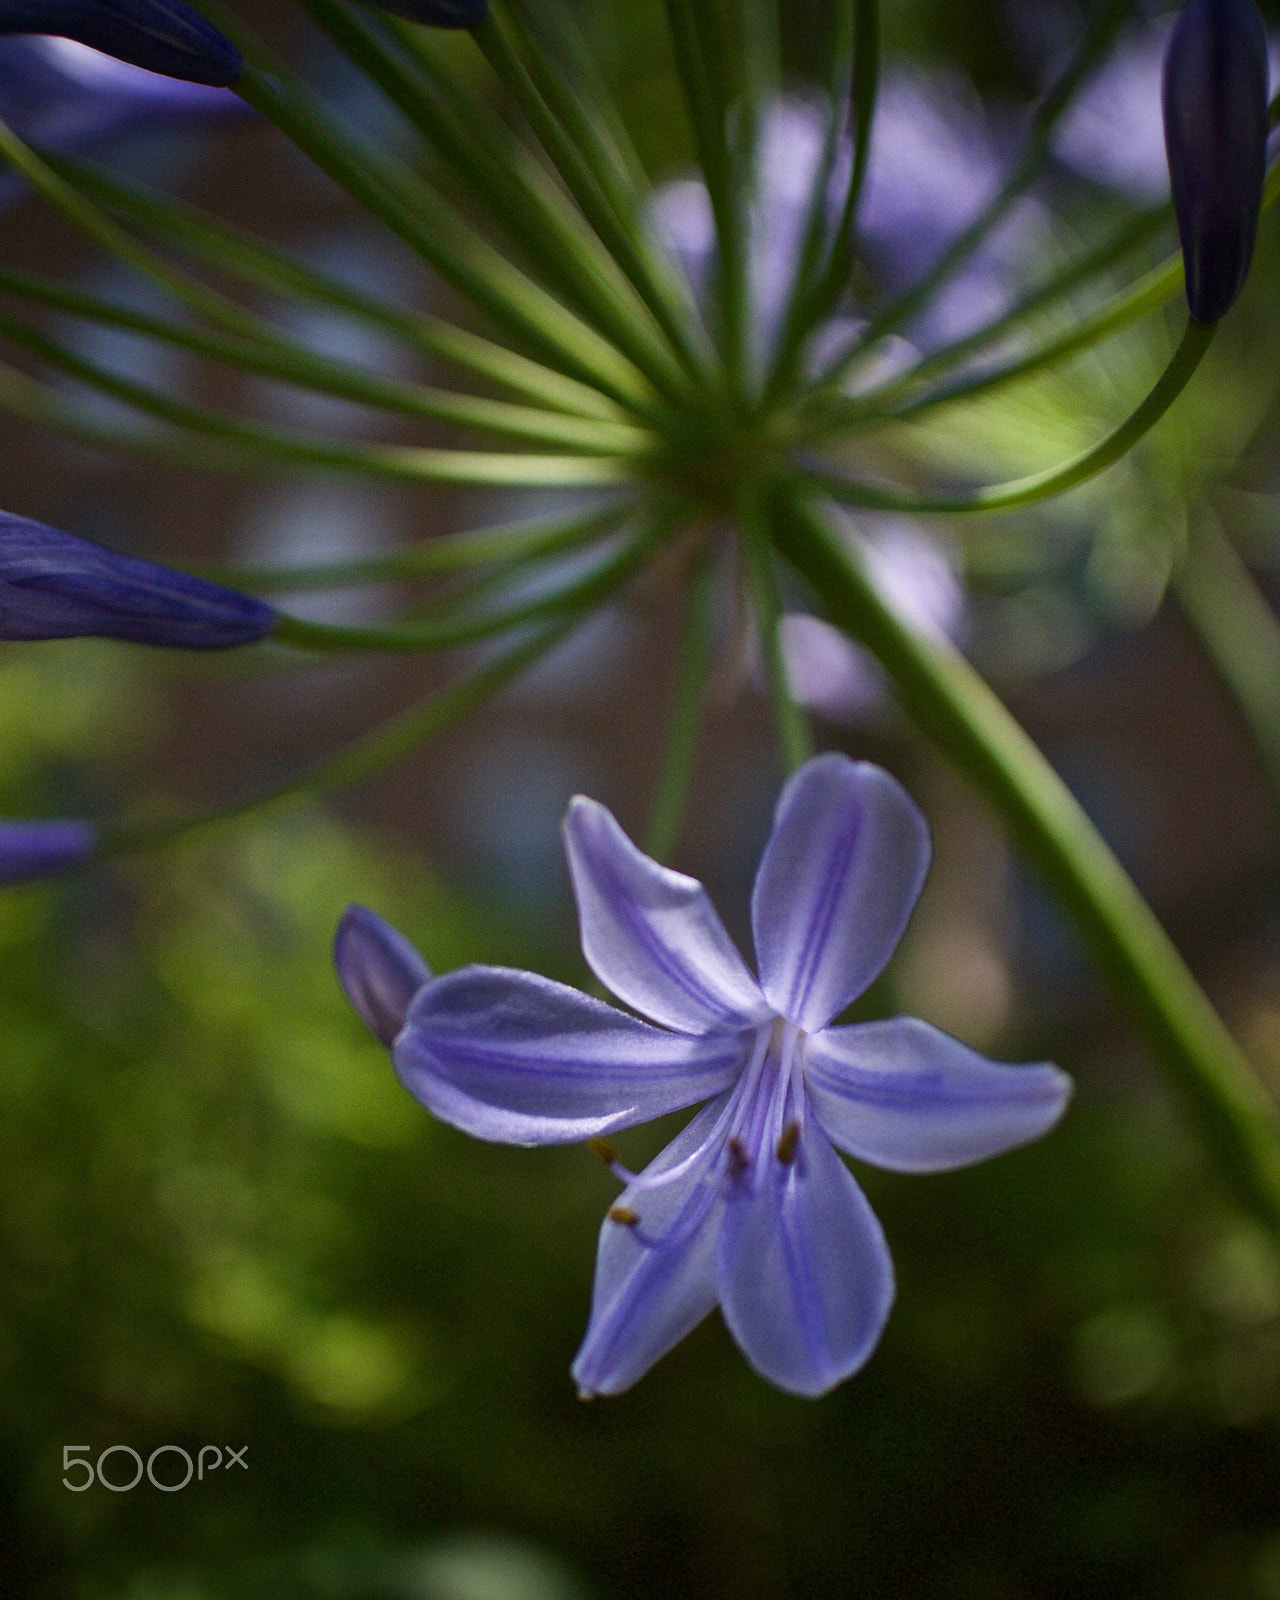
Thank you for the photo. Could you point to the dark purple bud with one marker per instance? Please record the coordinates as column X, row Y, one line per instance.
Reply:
column 1215, row 133
column 379, row 969
column 41, row 849
column 437, row 13
column 55, row 586
column 161, row 35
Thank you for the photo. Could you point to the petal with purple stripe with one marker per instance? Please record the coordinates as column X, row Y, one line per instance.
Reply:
column 515, row 1058
column 655, row 1277
column 840, row 877
column 803, row 1270
column 652, row 935
column 904, row 1095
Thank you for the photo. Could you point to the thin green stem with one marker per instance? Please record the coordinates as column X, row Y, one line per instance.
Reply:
column 360, row 759
column 1096, row 39
column 1039, row 485
column 688, row 703
column 795, row 738
column 230, row 250
column 445, row 553
column 1239, row 631
column 953, row 705
column 590, row 590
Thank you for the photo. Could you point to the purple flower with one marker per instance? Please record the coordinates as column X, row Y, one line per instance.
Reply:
column 63, row 96
column 1215, row 128
column 160, row 35
column 749, row 1207
column 40, row 849
column 437, row 13
column 55, row 586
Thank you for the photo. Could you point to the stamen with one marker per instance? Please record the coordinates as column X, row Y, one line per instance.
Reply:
column 624, row 1216
column 788, row 1142
column 603, row 1149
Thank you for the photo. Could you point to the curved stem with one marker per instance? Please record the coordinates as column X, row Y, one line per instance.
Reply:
column 1039, row 485
column 956, row 708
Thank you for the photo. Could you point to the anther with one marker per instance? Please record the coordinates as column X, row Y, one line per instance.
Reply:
column 738, row 1161
column 624, row 1215
column 788, row 1142
column 603, row 1149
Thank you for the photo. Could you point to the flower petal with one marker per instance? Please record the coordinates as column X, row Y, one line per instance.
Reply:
column 512, row 1057
column 160, row 35
column 648, row 1295
column 839, row 879
column 804, row 1273
column 379, row 969
column 903, row 1095
column 652, row 935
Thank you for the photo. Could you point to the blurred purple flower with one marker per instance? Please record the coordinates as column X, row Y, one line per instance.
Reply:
column 67, row 98
column 55, row 586
column 1112, row 132
column 41, row 849
column 161, row 35
column 749, row 1207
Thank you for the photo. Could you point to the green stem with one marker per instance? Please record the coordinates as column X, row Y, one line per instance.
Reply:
column 299, row 367
column 795, row 739
column 439, row 634
column 361, row 758
column 1239, row 631
column 960, row 712
column 687, row 705
column 230, row 250
column 511, row 543
column 1039, row 485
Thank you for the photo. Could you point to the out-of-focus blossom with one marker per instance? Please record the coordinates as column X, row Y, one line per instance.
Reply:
column 1113, row 130
column 1216, row 125
column 161, row 35
column 41, row 849
column 62, row 96
column 437, row 13
column 55, row 586
column 749, row 1207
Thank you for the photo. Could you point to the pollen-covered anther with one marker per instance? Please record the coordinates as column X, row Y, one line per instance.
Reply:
column 788, row 1142
column 739, row 1161
column 624, row 1215
column 603, row 1149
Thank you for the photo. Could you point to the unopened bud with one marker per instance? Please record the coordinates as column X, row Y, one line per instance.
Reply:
column 161, row 35
column 41, row 849
column 437, row 13
column 1215, row 130
column 379, row 969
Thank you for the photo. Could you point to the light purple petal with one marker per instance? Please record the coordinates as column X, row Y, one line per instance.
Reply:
column 652, row 935
column 647, row 1296
column 515, row 1058
column 837, row 885
column 379, row 969
column 903, row 1095
column 803, row 1270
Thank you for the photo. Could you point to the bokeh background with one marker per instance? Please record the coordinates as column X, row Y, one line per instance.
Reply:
column 223, row 1223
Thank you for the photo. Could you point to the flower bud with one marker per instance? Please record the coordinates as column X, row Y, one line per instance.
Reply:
column 437, row 13
column 1215, row 130
column 55, row 586
column 40, row 849
column 379, row 969
column 160, row 35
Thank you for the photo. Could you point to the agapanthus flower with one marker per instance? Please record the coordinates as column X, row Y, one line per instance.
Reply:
column 41, row 849
column 160, row 35
column 1215, row 124
column 56, row 586
column 749, row 1207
